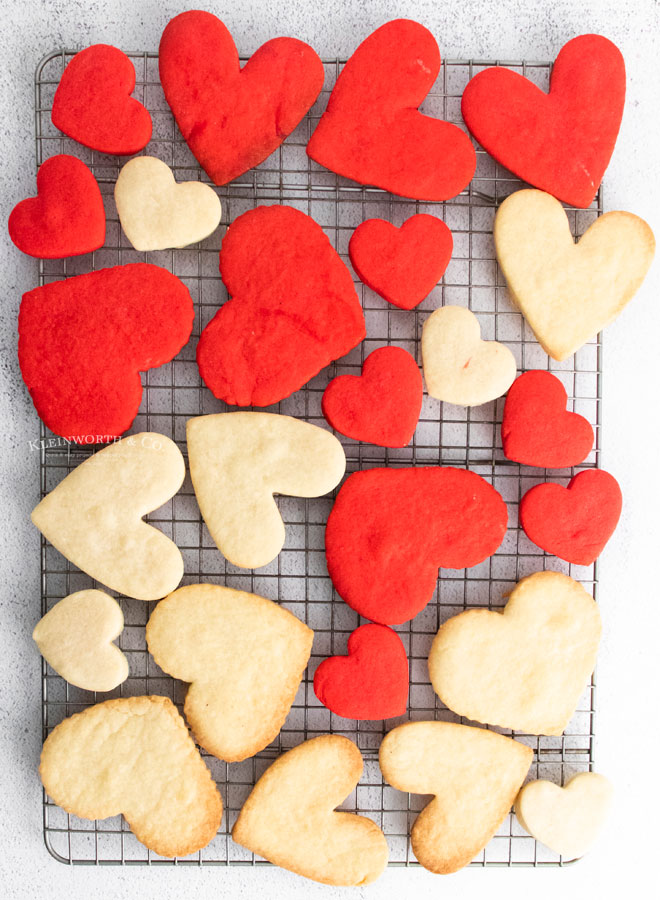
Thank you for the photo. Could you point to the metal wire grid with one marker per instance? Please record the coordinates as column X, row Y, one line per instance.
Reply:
column 298, row 577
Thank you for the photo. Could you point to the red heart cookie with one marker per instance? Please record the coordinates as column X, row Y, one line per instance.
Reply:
column 66, row 218
column 93, row 103
column 373, row 131
column 380, row 406
column 403, row 264
column 232, row 119
column 293, row 309
column 560, row 142
column 83, row 342
column 574, row 522
column 537, row 430
column 391, row 529
column 371, row 682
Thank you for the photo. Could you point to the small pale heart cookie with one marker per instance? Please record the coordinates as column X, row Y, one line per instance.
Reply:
column 244, row 657
column 291, row 820
column 75, row 638
column 474, row 774
column 94, row 516
column 156, row 213
column 134, row 756
column 568, row 819
column 569, row 292
column 239, row 460
column 459, row 367
column 525, row 667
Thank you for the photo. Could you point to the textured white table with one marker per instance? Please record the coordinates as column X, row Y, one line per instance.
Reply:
column 625, row 859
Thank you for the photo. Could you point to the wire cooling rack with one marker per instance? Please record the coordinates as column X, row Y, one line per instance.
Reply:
column 298, row 578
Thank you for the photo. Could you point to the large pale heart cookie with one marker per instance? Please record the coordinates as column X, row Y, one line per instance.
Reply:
column 94, row 516
column 75, row 638
column 459, row 367
column 134, row 756
column 565, row 819
column 290, row 818
column 474, row 774
column 239, row 460
column 156, row 213
column 569, row 292
column 523, row 668
column 243, row 656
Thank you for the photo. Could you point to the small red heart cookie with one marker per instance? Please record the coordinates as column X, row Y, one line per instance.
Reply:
column 373, row 131
column 371, row 682
column 66, row 218
column 380, row 406
column 537, row 430
column 403, row 264
column 93, row 103
column 232, row 119
column 391, row 529
column 574, row 522
column 560, row 142
column 293, row 309
column 83, row 342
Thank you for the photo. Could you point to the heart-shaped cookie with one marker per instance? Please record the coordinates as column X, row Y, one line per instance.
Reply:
column 382, row 405
column 525, row 667
column 233, row 118
column 459, row 367
column 94, row 516
column 403, row 264
column 290, row 817
column 560, row 142
column 474, row 774
column 75, row 638
column 569, row 292
column 243, row 657
column 293, row 309
column 239, row 460
column 66, row 218
column 156, row 213
column 93, row 103
column 372, row 130
column 371, row 682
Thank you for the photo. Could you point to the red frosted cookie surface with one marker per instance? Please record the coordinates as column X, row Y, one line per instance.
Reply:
column 293, row 309
column 232, row 119
column 83, row 342
column 390, row 530
column 372, row 130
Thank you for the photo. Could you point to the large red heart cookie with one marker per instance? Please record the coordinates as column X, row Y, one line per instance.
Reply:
column 93, row 103
column 382, row 405
column 391, row 529
column 560, row 142
column 371, row 682
column 293, row 309
column 373, row 131
column 67, row 216
column 232, row 119
column 537, row 430
column 403, row 264
column 574, row 522
column 83, row 342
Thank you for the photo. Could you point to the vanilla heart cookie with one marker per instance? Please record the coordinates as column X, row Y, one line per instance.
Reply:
column 569, row 292
column 291, row 820
column 94, row 516
column 239, row 460
column 75, row 638
column 474, row 774
column 459, row 367
column 156, row 213
column 523, row 668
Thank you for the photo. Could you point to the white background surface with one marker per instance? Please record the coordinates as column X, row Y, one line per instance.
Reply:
column 625, row 859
